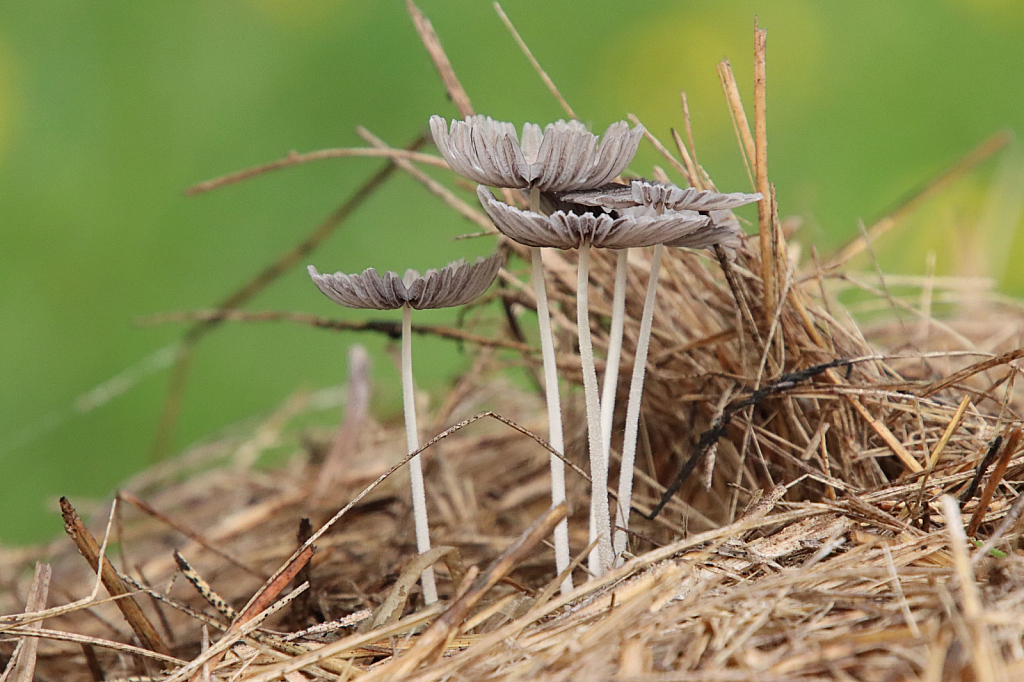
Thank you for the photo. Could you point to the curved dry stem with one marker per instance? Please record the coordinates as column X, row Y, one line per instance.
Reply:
column 419, row 496
column 636, row 389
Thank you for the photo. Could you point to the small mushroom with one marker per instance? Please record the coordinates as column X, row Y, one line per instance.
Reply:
column 658, row 196
column 563, row 157
column 722, row 228
column 633, row 227
column 456, row 284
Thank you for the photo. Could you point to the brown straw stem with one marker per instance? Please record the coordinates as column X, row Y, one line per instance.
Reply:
column 130, row 608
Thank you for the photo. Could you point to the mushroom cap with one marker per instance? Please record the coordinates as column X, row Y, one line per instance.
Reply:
column 562, row 157
column 455, row 284
column 567, row 230
column 659, row 196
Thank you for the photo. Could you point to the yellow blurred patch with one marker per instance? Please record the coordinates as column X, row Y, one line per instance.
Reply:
column 680, row 50
column 973, row 226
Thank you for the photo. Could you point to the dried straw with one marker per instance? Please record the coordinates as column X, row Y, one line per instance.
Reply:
column 829, row 540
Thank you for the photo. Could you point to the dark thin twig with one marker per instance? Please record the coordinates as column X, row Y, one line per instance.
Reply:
column 710, row 437
column 979, row 474
column 985, row 499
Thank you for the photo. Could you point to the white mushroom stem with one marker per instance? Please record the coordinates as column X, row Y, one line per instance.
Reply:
column 555, row 437
column 419, row 495
column 611, row 369
column 601, row 557
column 636, row 389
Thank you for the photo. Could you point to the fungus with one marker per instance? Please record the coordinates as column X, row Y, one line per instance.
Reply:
column 456, row 284
column 564, row 156
column 633, row 227
column 721, row 228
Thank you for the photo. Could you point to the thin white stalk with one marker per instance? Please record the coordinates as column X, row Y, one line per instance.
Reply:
column 636, row 389
column 419, row 495
column 555, row 437
column 611, row 369
column 601, row 557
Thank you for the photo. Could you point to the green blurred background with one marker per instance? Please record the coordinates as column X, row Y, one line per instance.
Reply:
column 109, row 110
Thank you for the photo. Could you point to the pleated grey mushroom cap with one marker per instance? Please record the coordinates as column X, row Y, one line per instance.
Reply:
column 367, row 290
column 636, row 228
column 455, row 284
column 562, row 157
column 659, row 196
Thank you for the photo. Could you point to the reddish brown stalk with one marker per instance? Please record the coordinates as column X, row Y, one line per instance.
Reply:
column 262, row 600
column 268, row 594
column 970, row 371
column 130, row 609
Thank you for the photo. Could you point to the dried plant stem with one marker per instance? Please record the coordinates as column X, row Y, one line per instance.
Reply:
column 432, row 642
column 94, row 554
column 533, row 61
column 764, row 207
column 636, row 389
column 294, row 158
column 600, row 513
column 389, row 328
column 419, row 496
column 968, row 162
column 611, row 368
column 22, row 664
column 739, row 116
column 555, row 435
column 979, row 647
column 440, row 59
column 994, row 480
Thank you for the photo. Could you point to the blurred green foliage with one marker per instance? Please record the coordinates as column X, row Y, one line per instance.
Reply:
column 109, row 110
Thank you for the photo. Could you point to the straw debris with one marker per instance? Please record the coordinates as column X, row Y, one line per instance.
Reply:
column 836, row 499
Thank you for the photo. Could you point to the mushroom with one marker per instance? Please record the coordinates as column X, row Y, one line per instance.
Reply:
column 456, row 284
column 634, row 227
column 564, row 157
column 722, row 228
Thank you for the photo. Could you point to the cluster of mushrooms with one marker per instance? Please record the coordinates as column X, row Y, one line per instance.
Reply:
column 564, row 174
